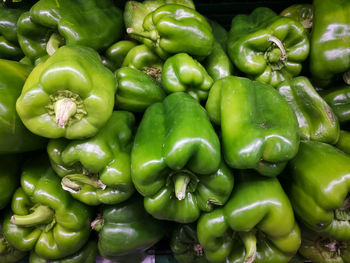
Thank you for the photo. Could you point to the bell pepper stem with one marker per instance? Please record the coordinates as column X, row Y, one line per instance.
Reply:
column 64, row 110
column 151, row 35
column 97, row 224
column 279, row 45
column 346, row 77
column 181, row 181
column 55, row 41
column 343, row 213
column 249, row 241
column 68, row 182
column 41, row 215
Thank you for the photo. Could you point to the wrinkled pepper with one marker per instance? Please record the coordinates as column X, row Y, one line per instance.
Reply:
column 43, row 217
column 9, row 47
column 318, row 185
column 255, row 225
column 97, row 170
column 136, row 90
column 316, row 119
column 117, row 52
column 185, row 246
column 303, row 13
column 15, row 137
column 183, row 73
column 126, row 231
column 86, row 254
column 330, row 41
column 267, row 47
column 176, row 161
column 174, row 28
column 70, row 95
column 338, row 99
column 50, row 24
column 254, row 134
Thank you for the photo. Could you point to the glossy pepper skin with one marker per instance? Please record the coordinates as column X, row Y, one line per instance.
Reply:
column 136, row 90
column 338, row 99
column 303, row 13
column 117, row 52
column 316, row 119
column 15, row 137
column 70, row 95
column 185, row 246
column 255, row 225
column 127, row 231
column 330, row 41
column 86, row 254
column 9, row 47
column 50, row 24
column 174, row 28
column 183, row 73
column 97, row 170
column 254, row 134
column 267, row 47
column 177, row 148
column 9, row 177
column 44, row 217
column 9, row 254
column 317, row 185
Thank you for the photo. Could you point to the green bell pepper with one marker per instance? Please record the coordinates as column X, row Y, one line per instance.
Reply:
column 144, row 59
column 267, row 47
column 185, row 246
column 50, row 24
column 9, row 177
column 219, row 32
column 321, row 249
column 175, row 161
column 344, row 141
column 183, row 73
column 303, row 13
column 318, row 187
column 87, row 254
column 136, row 90
column 338, row 99
column 174, row 28
column 44, row 217
column 126, row 231
column 255, row 225
column 259, row 128
column 135, row 12
column 316, row 119
column 15, row 137
column 9, row 47
column 70, row 95
column 97, row 170
column 330, row 41
column 117, row 52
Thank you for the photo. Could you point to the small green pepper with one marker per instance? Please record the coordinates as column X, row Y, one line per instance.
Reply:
column 117, row 52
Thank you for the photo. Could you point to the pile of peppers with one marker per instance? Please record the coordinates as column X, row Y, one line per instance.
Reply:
column 152, row 129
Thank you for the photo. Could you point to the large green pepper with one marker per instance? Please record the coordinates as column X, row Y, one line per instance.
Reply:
column 175, row 160
column 50, row 24
column 316, row 119
column 70, row 95
column 97, row 170
column 44, row 217
column 259, row 128
column 174, row 28
column 330, row 41
column 9, row 254
column 136, row 90
column 9, row 47
column 14, row 135
column 267, row 47
column 126, row 231
column 318, row 187
column 339, row 100
column 256, row 224
column 87, row 254
column 183, row 73
column 303, row 13
column 9, row 177
column 185, row 246
column 117, row 52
